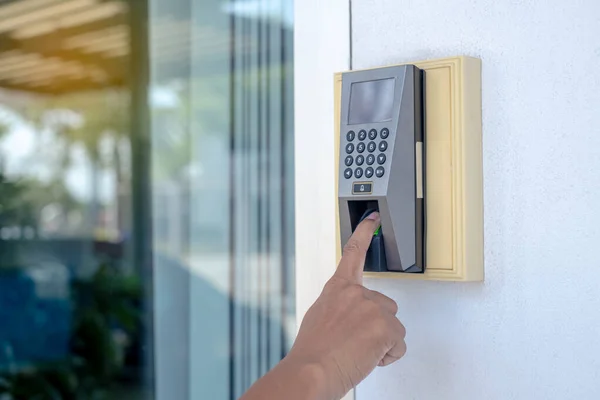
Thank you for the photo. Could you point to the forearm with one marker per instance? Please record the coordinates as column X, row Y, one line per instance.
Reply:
column 290, row 380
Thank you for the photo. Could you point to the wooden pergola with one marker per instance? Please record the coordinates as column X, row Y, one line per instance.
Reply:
column 58, row 46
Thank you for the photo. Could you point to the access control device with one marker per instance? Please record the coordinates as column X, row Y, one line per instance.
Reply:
column 381, row 166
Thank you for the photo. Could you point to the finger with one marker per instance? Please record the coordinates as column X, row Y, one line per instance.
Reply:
column 398, row 350
column 398, row 329
column 389, row 359
column 353, row 258
column 384, row 301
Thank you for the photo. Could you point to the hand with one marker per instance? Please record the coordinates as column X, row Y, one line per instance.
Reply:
column 350, row 329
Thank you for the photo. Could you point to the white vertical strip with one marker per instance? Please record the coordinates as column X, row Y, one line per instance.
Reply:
column 287, row 165
column 322, row 47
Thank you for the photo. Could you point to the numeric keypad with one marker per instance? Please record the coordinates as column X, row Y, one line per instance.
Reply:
column 376, row 146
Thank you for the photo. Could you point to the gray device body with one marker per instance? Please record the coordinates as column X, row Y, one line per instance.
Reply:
column 387, row 104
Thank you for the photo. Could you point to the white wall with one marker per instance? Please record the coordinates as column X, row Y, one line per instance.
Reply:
column 532, row 330
column 321, row 47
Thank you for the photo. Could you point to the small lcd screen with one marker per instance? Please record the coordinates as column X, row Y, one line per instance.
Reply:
column 371, row 101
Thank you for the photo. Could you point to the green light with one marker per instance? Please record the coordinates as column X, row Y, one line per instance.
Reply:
column 377, row 231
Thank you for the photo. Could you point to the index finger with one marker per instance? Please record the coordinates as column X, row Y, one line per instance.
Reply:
column 355, row 251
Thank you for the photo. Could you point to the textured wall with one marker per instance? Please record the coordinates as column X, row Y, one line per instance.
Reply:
column 532, row 330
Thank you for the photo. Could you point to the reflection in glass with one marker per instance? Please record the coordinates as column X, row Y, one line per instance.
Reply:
column 146, row 231
column 222, row 163
column 73, row 303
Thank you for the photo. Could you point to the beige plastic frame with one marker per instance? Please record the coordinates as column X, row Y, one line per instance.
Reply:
column 454, row 176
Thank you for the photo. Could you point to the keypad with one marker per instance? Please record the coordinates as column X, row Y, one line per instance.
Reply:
column 375, row 144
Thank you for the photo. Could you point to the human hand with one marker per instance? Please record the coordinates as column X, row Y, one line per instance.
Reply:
column 350, row 329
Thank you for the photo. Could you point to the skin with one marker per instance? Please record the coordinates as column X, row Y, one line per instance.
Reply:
column 346, row 333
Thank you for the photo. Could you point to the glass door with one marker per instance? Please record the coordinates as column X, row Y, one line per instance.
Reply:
column 223, row 188
column 146, row 197
column 75, row 261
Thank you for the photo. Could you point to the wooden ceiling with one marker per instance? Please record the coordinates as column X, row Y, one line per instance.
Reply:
column 57, row 46
column 61, row 46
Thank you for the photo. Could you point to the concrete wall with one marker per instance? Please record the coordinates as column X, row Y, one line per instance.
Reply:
column 532, row 330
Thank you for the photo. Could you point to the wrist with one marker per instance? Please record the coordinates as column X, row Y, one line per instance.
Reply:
column 311, row 375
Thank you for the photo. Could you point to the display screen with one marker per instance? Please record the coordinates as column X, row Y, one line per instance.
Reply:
column 371, row 101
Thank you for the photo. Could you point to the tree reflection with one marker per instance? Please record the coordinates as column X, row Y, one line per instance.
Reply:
column 81, row 342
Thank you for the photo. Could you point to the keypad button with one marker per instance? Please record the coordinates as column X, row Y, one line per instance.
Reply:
column 379, row 172
column 385, row 132
column 362, row 188
column 370, row 159
column 350, row 136
column 371, row 147
column 360, row 147
column 362, row 134
column 348, row 173
column 381, row 159
column 360, row 160
column 383, row 145
column 368, row 172
column 349, row 148
column 358, row 172
column 373, row 134
column 348, row 161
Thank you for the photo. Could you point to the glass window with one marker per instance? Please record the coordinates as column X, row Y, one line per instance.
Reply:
column 222, row 140
column 75, row 265
column 146, row 197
